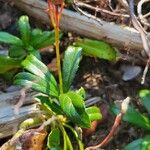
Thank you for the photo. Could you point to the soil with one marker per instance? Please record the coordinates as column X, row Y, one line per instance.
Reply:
column 99, row 77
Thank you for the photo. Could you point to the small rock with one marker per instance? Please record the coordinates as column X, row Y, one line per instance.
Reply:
column 130, row 72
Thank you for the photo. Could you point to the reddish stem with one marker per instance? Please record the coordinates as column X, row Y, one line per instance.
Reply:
column 111, row 133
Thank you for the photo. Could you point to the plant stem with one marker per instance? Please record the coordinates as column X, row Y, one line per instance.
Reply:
column 55, row 18
column 81, row 147
column 56, row 28
column 110, row 135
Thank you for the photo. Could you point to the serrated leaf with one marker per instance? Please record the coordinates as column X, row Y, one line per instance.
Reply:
column 49, row 103
column 36, row 33
column 10, row 39
column 96, row 48
column 36, row 83
column 81, row 92
column 74, row 108
column 145, row 99
column 35, row 66
column 94, row 113
column 25, row 29
column 17, row 52
column 7, row 63
column 139, row 144
column 45, row 39
column 53, row 141
column 135, row 117
column 70, row 65
column 39, row 76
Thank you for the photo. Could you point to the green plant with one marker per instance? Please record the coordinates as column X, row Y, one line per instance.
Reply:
column 138, row 119
column 69, row 105
column 62, row 109
column 30, row 41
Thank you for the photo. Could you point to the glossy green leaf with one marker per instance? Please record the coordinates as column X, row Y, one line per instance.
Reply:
column 145, row 99
column 94, row 113
column 36, row 83
column 70, row 65
column 74, row 108
column 17, row 52
column 81, row 92
column 39, row 76
column 7, row 63
column 135, row 145
column 10, row 39
column 49, row 103
column 45, row 39
column 53, row 141
column 96, row 48
column 35, row 66
column 135, row 117
column 25, row 29
column 36, row 33
column 139, row 144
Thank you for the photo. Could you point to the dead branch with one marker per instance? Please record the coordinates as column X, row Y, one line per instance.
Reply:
column 143, row 34
column 88, row 27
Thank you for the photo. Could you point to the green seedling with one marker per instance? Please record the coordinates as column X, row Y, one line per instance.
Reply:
column 29, row 42
column 70, row 105
column 138, row 119
column 62, row 109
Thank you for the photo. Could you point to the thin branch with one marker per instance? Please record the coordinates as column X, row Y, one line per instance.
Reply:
column 85, row 13
column 140, row 15
column 116, row 124
column 145, row 71
column 81, row 4
column 143, row 34
column 22, row 98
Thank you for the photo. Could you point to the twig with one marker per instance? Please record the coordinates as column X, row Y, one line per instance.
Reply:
column 85, row 13
column 46, row 123
column 144, row 38
column 139, row 11
column 81, row 4
column 116, row 124
column 22, row 98
column 138, row 26
column 11, row 143
column 145, row 71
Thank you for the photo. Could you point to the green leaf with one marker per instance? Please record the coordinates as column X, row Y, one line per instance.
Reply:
column 74, row 108
column 43, row 40
column 96, row 48
column 17, row 52
column 81, row 92
column 25, row 29
column 36, row 83
column 135, row 145
column 94, row 113
column 53, row 141
column 70, row 65
column 135, row 117
column 7, row 63
column 10, row 39
column 139, row 144
column 39, row 79
column 36, row 33
column 145, row 99
column 35, row 66
column 49, row 103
